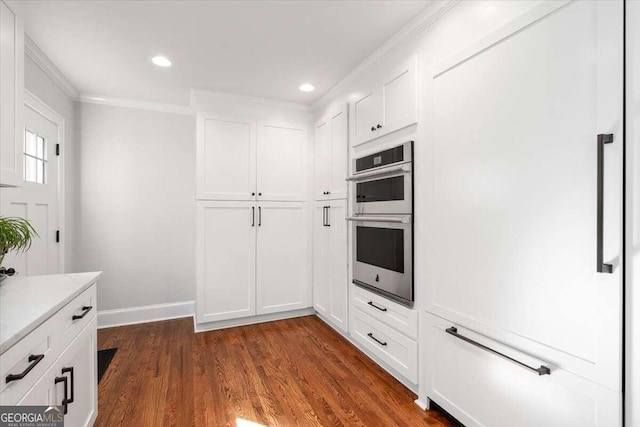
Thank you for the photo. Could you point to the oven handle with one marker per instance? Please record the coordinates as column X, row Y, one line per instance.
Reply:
column 405, row 168
column 396, row 220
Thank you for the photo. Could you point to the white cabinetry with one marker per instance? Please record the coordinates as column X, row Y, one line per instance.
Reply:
column 331, row 151
column 330, row 282
column 12, row 99
column 388, row 103
column 252, row 258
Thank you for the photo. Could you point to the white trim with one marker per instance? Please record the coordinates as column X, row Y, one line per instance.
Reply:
column 409, row 32
column 36, row 104
column 422, row 405
column 139, row 105
column 246, row 98
column 252, row 320
column 144, row 314
column 48, row 67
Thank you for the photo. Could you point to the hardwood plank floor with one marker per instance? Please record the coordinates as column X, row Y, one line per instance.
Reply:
column 285, row 373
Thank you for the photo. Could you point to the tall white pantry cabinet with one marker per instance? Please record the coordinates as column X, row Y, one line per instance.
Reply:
column 253, row 250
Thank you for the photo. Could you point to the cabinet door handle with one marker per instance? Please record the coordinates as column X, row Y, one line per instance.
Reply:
column 542, row 370
column 373, row 128
column 378, row 126
column 73, row 382
column 65, row 400
column 33, row 359
column 253, row 216
column 324, row 216
column 259, row 216
column 601, row 267
column 382, row 343
column 86, row 308
column 328, row 216
column 376, row 306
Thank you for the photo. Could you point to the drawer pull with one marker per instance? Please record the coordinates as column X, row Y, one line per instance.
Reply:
column 375, row 306
column 34, row 359
column 65, row 400
column 86, row 308
column 370, row 335
column 542, row 370
column 70, row 370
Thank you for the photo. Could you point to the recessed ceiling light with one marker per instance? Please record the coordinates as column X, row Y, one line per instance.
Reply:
column 161, row 61
column 307, row 87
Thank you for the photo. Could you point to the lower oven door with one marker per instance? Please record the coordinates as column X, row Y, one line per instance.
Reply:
column 383, row 255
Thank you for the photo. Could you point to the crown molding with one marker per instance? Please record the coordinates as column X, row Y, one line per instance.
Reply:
column 49, row 68
column 415, row 27
column 135, row 104
column 248, row 99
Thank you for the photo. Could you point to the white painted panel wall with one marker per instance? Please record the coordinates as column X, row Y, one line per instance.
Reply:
column 136, row 210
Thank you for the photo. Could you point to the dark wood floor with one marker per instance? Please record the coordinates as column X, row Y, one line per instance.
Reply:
column 284, row 373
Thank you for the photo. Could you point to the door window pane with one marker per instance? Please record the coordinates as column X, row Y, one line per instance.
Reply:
column 35, row 158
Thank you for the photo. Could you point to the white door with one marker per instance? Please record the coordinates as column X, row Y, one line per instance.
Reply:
column 366, row 116
column 339, row 155
column 225, row 258
column 37, row 199
column 321, row 266
column 226, row 153
column 400, row 96
column 283, row 261
column 339, row 285
column 282, row 162
column 322, row 159
column 512, row 252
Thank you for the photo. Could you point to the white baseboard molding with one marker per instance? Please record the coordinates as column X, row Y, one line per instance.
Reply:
column 232, row 323
column 144, row 314
column 395, row 374
column 422, row 405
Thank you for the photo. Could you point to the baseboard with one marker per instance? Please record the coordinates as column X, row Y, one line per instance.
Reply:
column 395, row 374
column 422, row 405
column 144, row 314
column 232, row 323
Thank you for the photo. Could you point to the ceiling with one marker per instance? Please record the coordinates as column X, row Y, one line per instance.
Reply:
column 258, row 48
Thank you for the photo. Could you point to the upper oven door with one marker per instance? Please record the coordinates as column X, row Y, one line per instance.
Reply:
column 384, row 191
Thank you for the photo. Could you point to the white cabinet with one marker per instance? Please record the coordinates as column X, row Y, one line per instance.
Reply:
column 331, row 164
column 225, row 256
column 252, row 258
column 330, row 282
column 388, row 103
column 283, row 262
column 243, row 159
column 12, row 99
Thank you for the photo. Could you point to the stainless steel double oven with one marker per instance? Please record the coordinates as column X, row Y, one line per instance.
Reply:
column 383, row 222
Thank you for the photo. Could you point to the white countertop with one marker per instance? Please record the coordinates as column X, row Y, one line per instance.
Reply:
column 26, row 302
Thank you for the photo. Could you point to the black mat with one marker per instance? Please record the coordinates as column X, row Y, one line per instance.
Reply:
column 104, row 358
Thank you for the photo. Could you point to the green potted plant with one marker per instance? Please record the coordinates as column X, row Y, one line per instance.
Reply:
column 16, row 235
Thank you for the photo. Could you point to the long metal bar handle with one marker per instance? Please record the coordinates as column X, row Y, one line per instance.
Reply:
column 73, row 382
column 404, row 168
column 33, row 359
column 324, row 216
column 601, row 267
column 405, row 219
column 542, row 370
column 65, row 400
column 253, row 216
column 328, row 216
column 259, row 216
column 382, row 343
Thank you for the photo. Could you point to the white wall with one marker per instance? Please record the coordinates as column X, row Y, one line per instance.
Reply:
column 39, row 84
column 633, row 215
column 136, row 210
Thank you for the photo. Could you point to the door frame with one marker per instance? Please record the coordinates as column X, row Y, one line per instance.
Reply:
column 34, row 103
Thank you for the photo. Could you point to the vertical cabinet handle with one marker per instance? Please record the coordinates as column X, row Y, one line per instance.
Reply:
column 70, row 370
column 601, row 267
column 324, row 216
column 253, row 216
column 259, row 216
column 328, row 216
column 65, row 400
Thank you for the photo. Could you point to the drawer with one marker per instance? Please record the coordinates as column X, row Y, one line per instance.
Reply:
column 481, row 388
column 394, row 348
column 43, row 346
column 399, row 317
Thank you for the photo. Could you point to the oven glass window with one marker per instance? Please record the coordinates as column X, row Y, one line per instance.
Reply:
column 380, row 190
column 381, row 247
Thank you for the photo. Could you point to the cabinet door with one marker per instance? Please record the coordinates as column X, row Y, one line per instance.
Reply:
column 400, row 97
column 338, row 263
column 366, row 116
column 79, row 364
column 226, row 158
column 513, row 253
column 282, row 162
column 322, row 159
column 42, row 392
column 225, row 259
column 339, row 161
column 12, row 100
column 283, row 264
column 321, row 266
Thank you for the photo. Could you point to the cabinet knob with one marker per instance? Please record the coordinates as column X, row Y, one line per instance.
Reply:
column 373, row 129
column 259, row 194
column 378, row 126
column 253, row 194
